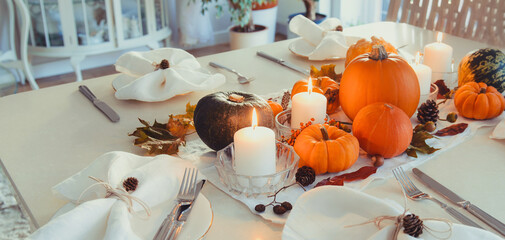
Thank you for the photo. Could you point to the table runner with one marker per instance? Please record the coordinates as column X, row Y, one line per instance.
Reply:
column 203, row 157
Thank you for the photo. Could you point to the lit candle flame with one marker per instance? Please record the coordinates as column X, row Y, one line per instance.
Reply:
column 309, row 86
column 254, row 119
column 439, row 37
column 418, row 58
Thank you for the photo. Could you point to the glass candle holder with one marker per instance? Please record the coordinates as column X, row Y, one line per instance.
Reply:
column 431, row 96
column 283, row 124
column 254, row 186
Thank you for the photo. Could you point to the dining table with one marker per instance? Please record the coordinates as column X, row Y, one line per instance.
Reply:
column 52, row 133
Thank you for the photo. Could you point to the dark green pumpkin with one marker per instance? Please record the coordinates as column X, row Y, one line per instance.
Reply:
column 485, row 65
column 218, row 116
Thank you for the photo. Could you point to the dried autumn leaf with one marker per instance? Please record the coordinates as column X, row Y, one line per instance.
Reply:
column 418, row 143
column 452, row 130
column 286, row 98
column 165, row 138
column 156, row 139
column 327, row 70
column 443, row 90
column 360, row 174
column 179, row 125
column 330, row 181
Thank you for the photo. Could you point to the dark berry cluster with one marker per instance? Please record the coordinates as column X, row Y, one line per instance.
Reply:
column 304, row 177
column 279, row 208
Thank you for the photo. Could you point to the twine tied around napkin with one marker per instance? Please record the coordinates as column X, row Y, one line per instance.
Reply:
column 120, row 194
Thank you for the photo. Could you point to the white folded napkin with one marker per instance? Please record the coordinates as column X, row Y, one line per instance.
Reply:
column 499, row 131
column 184, row 75
column 97, row 217
column 327, row 42
column 328, row 212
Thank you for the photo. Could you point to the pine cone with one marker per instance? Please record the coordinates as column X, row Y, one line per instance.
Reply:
column 130, row 184
column 164, row 64
column 305, row 175
column 428, row 111
column 285, row 100
column 412, row 225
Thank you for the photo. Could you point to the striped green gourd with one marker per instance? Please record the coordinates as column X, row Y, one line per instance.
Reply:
column 485, row 65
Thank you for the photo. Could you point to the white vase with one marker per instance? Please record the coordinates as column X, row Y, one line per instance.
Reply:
column 248, row 39
column 267, row 17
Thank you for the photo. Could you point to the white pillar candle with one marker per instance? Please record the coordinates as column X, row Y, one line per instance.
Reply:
column 438, row 56
column 423, row 73
column 307, row 105
column 255, row 150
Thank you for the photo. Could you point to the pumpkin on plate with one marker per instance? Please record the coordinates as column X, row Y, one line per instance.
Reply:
column 479, row 101
column 276, row 107
column 379, row 77
column 323, row 85
column 484, row 65
column 364, row 46
column 219, row 115
column 326, row 148
column 382, row 129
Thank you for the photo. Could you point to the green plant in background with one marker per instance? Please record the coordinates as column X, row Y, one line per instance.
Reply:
column 240, row 10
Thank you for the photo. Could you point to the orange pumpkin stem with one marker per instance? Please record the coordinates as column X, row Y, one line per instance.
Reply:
column 482, row 90
column 387, row 105
column 325, row 133
column 378, row 53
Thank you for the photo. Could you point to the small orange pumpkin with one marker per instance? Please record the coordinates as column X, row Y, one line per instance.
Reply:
column 364, row 46
column 379, row 77
column 323, row 85
column 382, row 129
column 276, row 107
column 479, row 101
column 326, row 148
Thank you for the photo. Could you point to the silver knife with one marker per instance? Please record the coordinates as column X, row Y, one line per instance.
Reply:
column 178, row 221
column 111, row 114
column 284, row 63
column 453, row 197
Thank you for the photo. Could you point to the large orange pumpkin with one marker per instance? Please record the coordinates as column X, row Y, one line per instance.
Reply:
column 364, row 46
column 382, row 129
column 326, row 148
column 479, row 101
column 323, row 85
column 379, row 77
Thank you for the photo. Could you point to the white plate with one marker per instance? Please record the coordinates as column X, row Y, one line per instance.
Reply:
column 302, row 48
column 197, row 226
column 328, row 211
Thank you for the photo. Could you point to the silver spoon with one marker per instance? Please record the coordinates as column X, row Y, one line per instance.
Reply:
column 241, row 78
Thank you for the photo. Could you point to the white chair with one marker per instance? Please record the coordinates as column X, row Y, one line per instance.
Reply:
column 9, row 59
column 479, row 20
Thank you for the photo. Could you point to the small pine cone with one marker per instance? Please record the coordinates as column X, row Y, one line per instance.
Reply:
column 412, row 225
column 285, row 100
column 164, row 64
column 305, row 175
column 130, row 184
column 428, row 111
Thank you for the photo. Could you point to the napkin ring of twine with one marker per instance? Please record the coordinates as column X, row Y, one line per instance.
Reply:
column 118, row 193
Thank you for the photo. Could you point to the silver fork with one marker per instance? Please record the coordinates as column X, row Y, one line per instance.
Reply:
column 241, row 78
column 184, row 198
column 415, row 194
